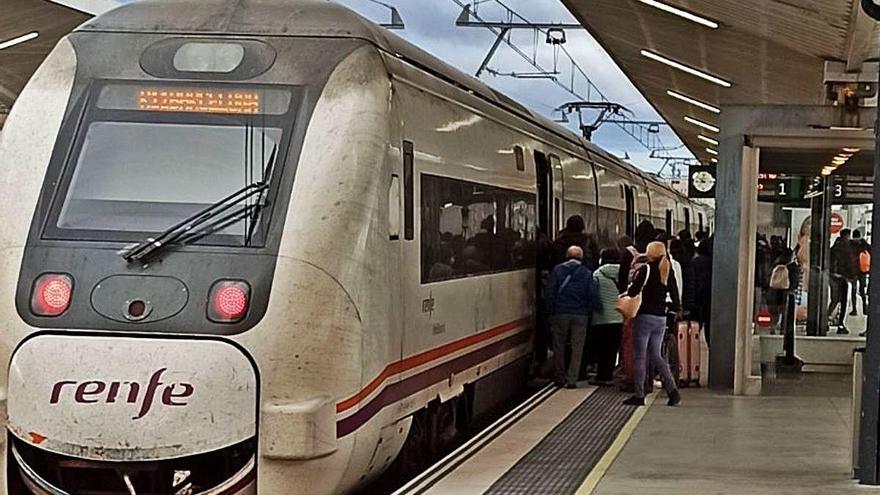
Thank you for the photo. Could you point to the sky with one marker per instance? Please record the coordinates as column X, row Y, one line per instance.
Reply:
column 430, row 24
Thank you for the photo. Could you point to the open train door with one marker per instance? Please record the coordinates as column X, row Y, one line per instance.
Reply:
column 549, row 189
column 629, row 196
column 546, row 197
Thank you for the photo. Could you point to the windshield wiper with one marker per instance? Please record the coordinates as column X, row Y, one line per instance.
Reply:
column 212, row 219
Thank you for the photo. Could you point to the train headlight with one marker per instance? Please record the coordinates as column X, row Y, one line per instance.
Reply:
column 228, row 301
column 51, row 294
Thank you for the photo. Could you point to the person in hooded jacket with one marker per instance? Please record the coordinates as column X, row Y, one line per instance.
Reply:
column 607, row 322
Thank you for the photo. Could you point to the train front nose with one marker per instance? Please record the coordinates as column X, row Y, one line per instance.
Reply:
column 128, row 414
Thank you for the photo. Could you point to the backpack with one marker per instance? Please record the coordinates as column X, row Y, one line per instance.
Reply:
column 779, row 278
column 865, row 262
column 638, row 261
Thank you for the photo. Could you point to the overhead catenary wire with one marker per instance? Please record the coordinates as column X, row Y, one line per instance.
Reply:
column 638, row 132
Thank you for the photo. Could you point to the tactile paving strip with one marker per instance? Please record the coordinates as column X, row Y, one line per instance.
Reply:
column 560, row 463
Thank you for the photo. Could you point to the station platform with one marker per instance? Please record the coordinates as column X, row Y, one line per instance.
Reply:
column 793, row 439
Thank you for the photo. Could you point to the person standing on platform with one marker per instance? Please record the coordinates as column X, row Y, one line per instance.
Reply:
column 607, row 323
column 863, row 256
column 702, row 268
column 654, row 282
column 843, row 270
column 574, row 235
column 571, row 295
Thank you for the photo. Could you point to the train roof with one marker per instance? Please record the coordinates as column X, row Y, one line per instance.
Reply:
column 314, row 18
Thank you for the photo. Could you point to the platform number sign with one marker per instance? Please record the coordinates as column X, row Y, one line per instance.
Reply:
column 839, row 188
column 779, row 188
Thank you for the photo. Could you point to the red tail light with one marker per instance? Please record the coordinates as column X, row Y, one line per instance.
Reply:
column 228, row 301
column 52, row 293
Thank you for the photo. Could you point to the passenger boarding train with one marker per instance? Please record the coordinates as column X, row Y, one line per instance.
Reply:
column 265, row 247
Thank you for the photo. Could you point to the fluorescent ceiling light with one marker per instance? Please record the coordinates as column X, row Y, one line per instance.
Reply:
column 835, row 128
column 19, row 39
column 713, row 160
column 681, row 13
column 711, row 151
column 700, row 123
column 686, row 68
column 693, row 101
column 852, row 150
column 825, row 171
column 708, row 140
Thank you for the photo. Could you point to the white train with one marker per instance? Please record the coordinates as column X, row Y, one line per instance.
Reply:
column 252, row 247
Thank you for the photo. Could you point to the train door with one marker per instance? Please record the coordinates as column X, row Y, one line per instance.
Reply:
column 629, row 197
column 687, row 219
column 669, row 225
column 702, row 224
column 546, row 200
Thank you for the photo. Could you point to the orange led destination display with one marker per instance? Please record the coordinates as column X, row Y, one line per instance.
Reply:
column 198, row 101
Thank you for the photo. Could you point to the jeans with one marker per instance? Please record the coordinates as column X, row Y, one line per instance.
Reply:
column 648, row 333
column 839, row 295
column 607, row 339
column 568, row 330
column 858, row 290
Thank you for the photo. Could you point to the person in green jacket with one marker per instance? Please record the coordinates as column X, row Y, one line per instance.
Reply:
column 607, row 322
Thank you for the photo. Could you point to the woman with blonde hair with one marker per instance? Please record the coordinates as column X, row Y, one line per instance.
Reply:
column 654, row 282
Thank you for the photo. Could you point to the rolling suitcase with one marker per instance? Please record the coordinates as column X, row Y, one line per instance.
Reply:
column 695, row 351
column 689, row 353
column 623, row 377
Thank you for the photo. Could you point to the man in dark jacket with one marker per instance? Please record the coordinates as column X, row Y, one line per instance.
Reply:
column 843, row 269
column 859, row 287
column 702, row 271
column 574, row 235
column 571, row 296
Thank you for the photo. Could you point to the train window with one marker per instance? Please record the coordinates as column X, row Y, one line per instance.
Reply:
column 408, row 193
column 520, row 158
column 472, row 229
column 145, row 177
column 208, row 57
column 394, row 208
column 612, row 225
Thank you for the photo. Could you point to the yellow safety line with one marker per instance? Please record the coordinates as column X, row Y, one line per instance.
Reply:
column 611, row 454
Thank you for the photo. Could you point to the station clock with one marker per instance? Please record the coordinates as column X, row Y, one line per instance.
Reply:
column 701, row 182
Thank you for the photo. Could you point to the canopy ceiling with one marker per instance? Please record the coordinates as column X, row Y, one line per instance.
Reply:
column 773, row 51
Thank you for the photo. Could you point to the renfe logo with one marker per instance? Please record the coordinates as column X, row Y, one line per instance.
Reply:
column 94, row 391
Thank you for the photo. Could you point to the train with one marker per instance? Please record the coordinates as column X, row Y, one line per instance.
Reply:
column 268, row 247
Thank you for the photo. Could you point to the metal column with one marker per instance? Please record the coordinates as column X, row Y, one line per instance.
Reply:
column 817, row 306
column 868, row 453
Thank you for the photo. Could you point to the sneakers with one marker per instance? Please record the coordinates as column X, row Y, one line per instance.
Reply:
column 842, row 331
column 634, row 401
column 674, row 398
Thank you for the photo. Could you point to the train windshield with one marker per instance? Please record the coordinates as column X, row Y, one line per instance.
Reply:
column 132, row 177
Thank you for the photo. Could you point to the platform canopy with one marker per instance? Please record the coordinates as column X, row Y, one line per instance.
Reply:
column 769, row 51
column 18, row 62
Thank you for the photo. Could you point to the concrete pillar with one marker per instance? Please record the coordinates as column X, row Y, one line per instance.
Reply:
column 734, row 264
